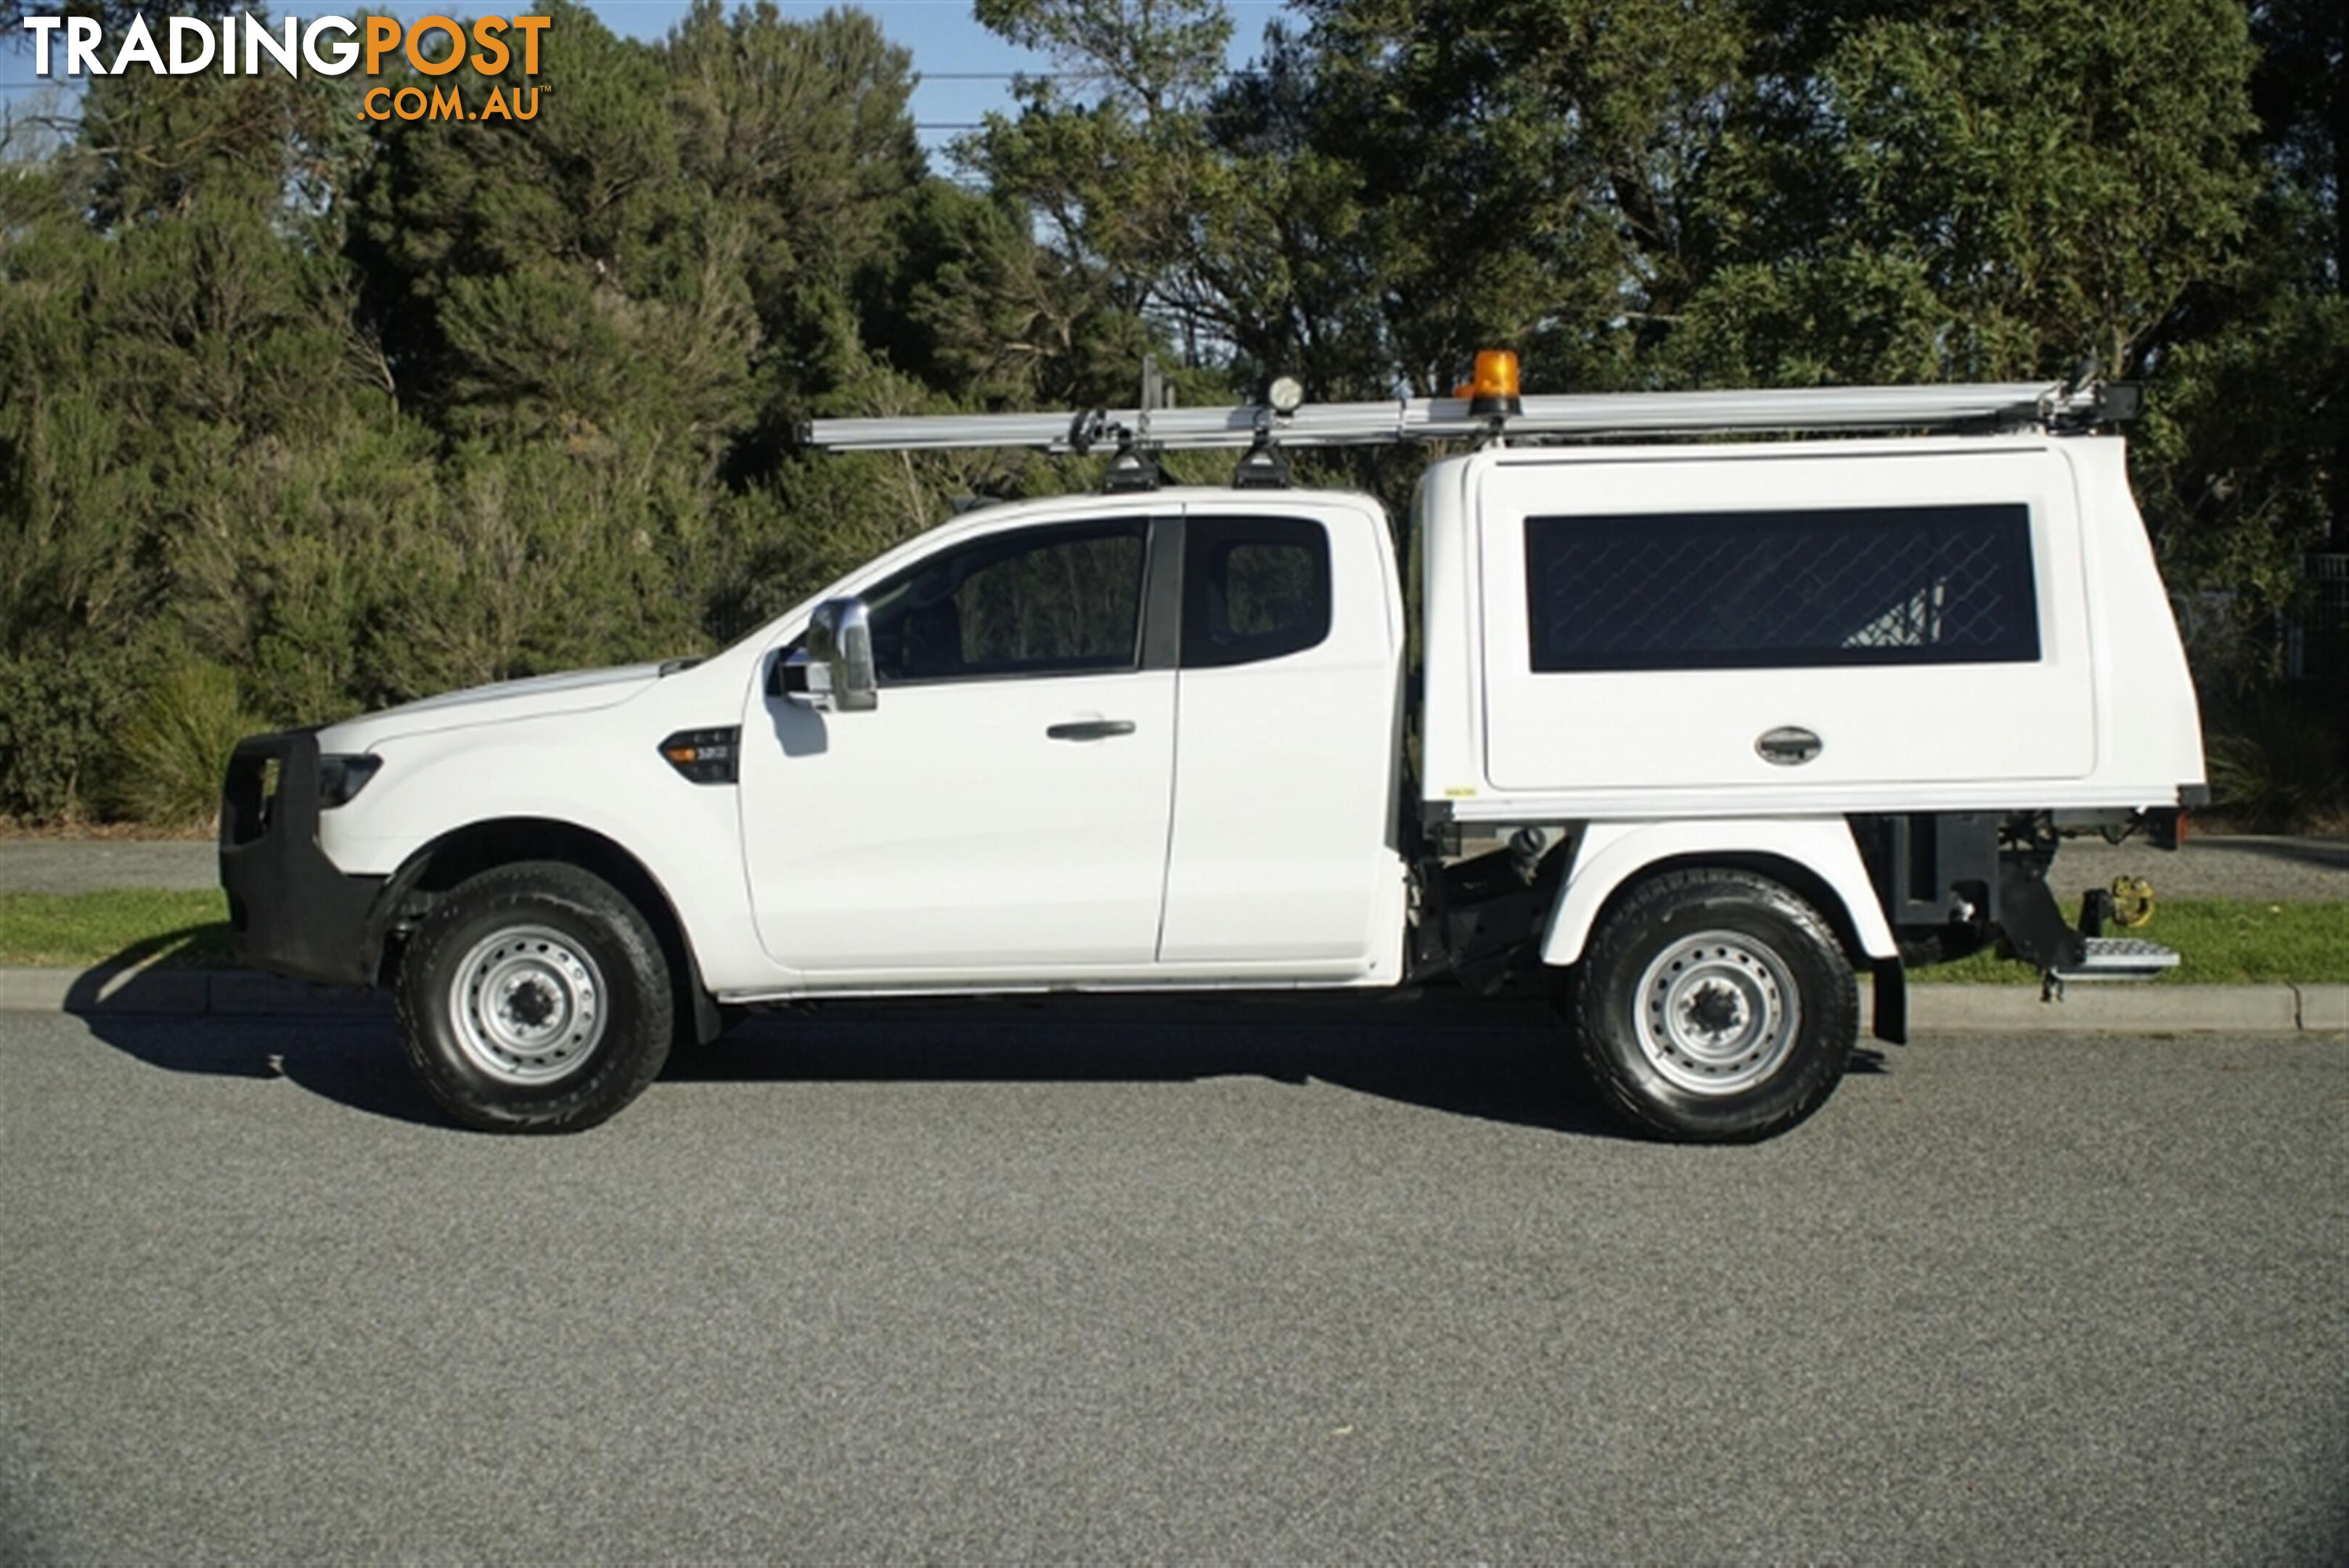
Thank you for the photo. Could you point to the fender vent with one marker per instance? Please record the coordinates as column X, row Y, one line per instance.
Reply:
column 706, row 756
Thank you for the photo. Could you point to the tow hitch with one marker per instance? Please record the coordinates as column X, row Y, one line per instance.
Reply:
column 2037, row 932
column 2128, row 902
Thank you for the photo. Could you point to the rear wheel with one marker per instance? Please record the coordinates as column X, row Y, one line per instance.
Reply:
column 535, row 998
column 1714, row 1006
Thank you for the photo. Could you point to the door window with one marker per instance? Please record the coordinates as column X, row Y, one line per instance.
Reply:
column 1041, row 601
column 1253, row 588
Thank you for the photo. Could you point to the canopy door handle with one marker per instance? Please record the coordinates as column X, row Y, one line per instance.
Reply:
column 1789, row 745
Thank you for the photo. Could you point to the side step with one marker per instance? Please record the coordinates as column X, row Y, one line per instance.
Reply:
column 2119, row 958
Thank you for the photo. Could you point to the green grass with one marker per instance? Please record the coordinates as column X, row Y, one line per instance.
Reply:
column 67, row 931
column 2223, row 942
column 2220, row 941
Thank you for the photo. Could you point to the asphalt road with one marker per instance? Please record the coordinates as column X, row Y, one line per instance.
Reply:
column 1016, row 1284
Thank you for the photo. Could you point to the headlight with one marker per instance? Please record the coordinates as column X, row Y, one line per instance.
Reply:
column 340, row 778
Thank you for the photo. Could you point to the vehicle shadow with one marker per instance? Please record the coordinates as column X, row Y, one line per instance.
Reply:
column 341, row 1049
column 1507, row 1060
column 1504, row 1060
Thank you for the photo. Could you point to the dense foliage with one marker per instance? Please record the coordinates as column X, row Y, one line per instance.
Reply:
column 301, row 413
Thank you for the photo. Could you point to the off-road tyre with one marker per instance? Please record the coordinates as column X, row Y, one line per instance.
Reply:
column 534, row 998
column 1672, row 1007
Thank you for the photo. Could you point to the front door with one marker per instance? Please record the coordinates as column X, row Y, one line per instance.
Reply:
column 1002, row 814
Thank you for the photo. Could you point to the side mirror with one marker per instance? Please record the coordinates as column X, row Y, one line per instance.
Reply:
column 840, row 676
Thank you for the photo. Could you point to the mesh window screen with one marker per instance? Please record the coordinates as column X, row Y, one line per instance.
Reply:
column 1741, row 590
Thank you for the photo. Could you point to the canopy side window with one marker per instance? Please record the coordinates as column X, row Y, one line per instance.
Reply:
column 1746, row 590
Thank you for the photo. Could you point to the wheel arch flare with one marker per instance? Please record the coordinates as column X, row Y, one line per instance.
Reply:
column 1814, row 857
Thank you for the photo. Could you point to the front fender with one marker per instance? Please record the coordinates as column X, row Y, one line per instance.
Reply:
column 1610, row 854
column 604, row 779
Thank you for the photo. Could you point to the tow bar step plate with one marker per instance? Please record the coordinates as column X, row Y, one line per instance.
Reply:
column 2121, row 957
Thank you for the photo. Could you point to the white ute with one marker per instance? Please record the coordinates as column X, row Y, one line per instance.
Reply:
column 1747, row 717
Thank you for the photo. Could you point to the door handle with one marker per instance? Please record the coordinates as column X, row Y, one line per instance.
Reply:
column 1789, row 745
column 1090, row 728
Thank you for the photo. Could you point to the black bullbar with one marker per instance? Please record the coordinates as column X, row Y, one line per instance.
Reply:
column 290, row 910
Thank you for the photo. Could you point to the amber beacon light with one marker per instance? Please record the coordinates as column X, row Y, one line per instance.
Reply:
column 1493, row 391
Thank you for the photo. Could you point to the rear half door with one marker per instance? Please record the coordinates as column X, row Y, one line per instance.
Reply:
column 1280, row 864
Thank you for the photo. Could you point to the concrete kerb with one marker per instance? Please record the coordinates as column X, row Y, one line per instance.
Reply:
column 1932, row 1009
column 2131, row 1010
column 178, row 992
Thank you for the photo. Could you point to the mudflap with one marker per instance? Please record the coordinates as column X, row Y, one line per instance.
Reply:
column 1889, row 986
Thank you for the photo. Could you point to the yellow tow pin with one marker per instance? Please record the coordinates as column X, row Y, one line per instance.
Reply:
column 2132, row 901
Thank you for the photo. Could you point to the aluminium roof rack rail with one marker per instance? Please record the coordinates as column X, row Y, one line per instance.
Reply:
column 1996, row 405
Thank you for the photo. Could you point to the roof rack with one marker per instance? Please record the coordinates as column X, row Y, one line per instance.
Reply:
column 1138, row 434
column 1996, row 404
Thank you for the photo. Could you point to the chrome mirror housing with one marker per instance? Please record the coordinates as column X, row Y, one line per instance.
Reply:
column 840, row 676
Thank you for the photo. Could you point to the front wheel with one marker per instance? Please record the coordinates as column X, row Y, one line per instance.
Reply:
column 1714, row 1006
column 535, row 998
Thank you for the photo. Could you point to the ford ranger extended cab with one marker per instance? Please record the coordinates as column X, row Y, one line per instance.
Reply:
column 1748, row 717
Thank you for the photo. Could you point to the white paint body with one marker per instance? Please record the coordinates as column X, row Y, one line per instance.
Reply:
column 1244, row 833
column 2104, row 717
column 1607, row 855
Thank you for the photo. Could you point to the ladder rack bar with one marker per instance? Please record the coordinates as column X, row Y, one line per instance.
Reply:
column 1436, row 419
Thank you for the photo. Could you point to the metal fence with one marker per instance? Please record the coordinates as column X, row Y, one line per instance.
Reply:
column 2317, row 643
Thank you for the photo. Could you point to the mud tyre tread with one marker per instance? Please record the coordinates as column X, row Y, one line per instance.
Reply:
column 584, row 908
column 1601, row 1002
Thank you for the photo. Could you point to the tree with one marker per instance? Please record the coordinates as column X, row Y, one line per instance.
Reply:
column 1529, row 170
column 1970, row 192
column 2244, row 464
column 176, row 359
column 356, row 409
column 1160, row 233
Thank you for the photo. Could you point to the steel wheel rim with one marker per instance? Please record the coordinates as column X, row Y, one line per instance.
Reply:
column 528, row 1005
column 1718, row 1012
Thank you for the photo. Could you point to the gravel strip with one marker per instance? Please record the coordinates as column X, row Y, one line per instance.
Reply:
column 92, row 865
column 2276, row 868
